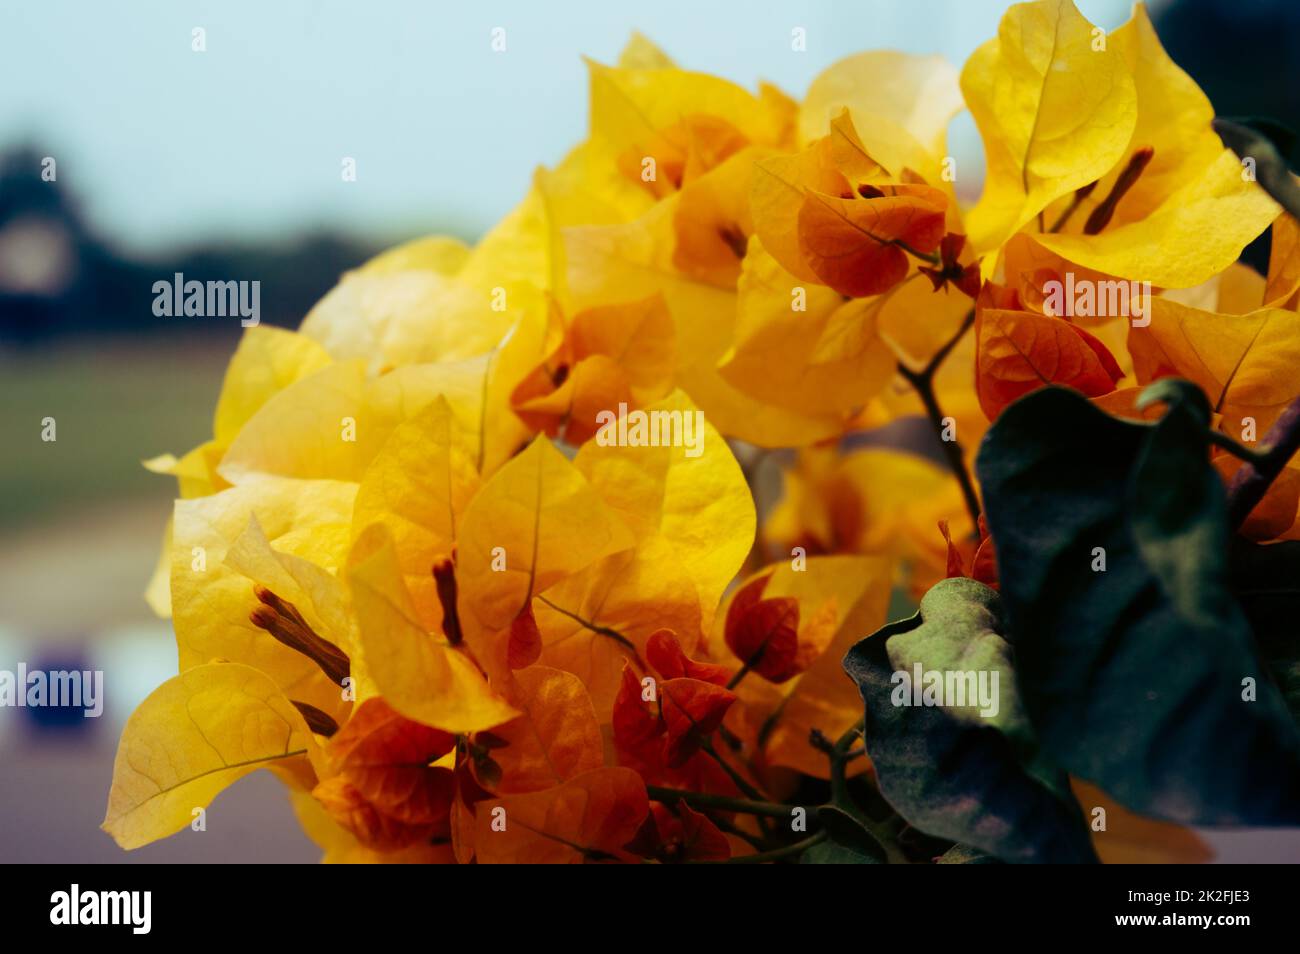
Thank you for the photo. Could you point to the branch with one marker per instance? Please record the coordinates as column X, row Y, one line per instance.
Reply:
column 923, row 383
column 776, row 854
column 724, row 803
column 1252, row 479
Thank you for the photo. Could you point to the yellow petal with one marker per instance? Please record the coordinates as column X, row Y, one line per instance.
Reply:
column 1055, row 113
column 641, row 53
column 194, row 735
column 627, row 262
column 394, row 318
column 416, row 672
column 695, row 511
column 1173, row 118
column 594, row 620
column 266, row 362
column 828, row 357
column 630, row 107
column 555, row 738
column 158, row 593
column 901, row 104
column 780, row 186
column 418, row 486
column 211, row 600
column 534, row 522
column 1246, row 364
column 331, row 425
column 314, row 591
column 1196, row 232
column 1284, row 263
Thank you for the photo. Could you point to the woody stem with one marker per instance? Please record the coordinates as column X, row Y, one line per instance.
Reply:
column 776, row 854
column 724, row 803
column 923, row 383
column 839, row 760
column 1252, row 479
column 739, row 780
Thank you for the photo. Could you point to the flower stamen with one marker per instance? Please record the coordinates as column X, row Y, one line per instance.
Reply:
column 282, row 620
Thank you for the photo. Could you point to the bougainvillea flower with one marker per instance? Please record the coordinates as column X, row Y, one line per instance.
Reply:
column 1019, row 351
column 837, row 597
column 606, row 357
column 1106, row 144
column 429, row 573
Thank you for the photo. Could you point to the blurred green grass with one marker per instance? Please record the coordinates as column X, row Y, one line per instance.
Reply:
column 115, row 404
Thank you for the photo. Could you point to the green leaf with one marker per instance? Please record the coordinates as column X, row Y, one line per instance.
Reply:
column 1132, row 675
column 960, row 633
column 946, row 770
column 849, row 833
column 966, row 855
column 833, row 853
column 1266, row 581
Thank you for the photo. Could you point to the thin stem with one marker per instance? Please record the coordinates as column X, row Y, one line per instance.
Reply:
column 776, row 854
column 840, row 754
column 741, row 673
column 931, row 257
column 731, row 828
column 952, row 452
column 939, row 356
column 839, row 775
column 852, row 732
column 742, row 783
column 722, row 803
column 1237, row 450
column 1252, row 480
column 923, row 383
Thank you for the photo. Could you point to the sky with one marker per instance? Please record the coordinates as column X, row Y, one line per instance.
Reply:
column 166, row 146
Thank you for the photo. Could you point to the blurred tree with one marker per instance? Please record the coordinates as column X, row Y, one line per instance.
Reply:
column 58, row 278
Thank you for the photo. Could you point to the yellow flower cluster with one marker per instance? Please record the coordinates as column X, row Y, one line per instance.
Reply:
column 459, row 561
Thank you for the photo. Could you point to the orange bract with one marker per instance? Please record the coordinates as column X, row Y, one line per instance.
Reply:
column 859, row 246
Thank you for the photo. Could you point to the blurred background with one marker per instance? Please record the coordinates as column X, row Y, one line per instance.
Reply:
column 226, row 164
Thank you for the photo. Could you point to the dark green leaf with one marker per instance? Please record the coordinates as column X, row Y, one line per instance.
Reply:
column 966, row 855
column 1132, row 676
column 849, row 832
column 948, row 772
column 1266, row 581
column 832, row 853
